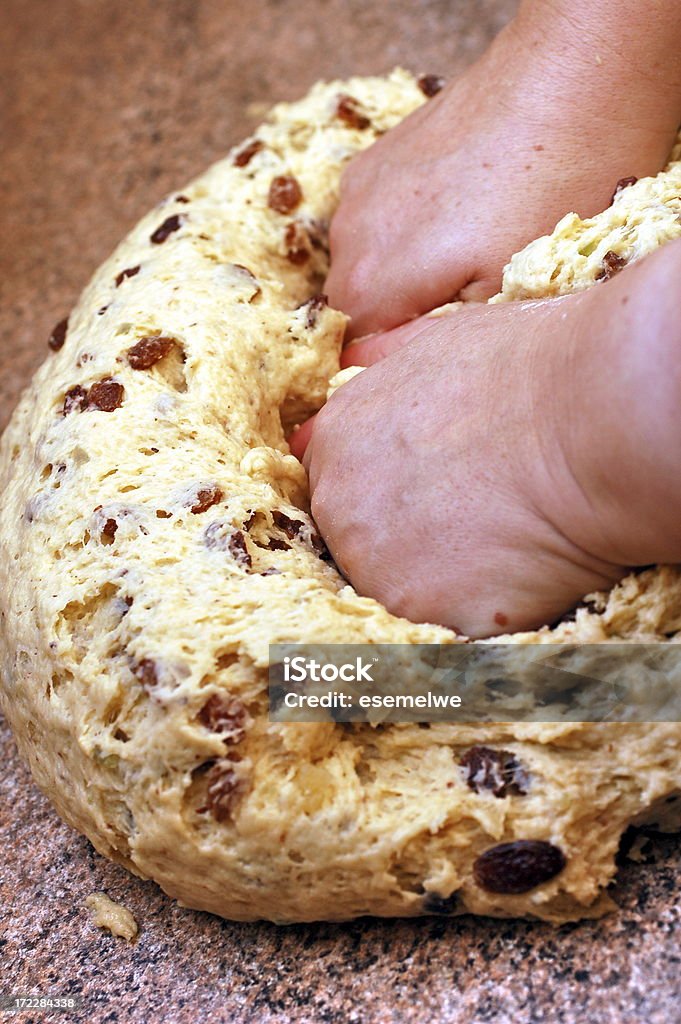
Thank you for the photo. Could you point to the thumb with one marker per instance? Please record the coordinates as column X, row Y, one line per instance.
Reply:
column 374, row 347
column 300, row 438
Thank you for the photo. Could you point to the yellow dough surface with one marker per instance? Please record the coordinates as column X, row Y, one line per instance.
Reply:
column 155, row 538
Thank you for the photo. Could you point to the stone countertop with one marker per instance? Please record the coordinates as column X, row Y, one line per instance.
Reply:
column 106, row 106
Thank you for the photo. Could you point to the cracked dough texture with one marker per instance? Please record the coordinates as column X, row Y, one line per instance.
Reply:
column 151, row 553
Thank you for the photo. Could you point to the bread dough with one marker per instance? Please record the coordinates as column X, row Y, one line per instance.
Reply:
column 111, row 916
column 155, row 537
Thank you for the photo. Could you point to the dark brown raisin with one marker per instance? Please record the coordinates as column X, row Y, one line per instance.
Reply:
column 433, row 903
column 58, row 337
column 314, row 306
column 319, row 547
column 238, row 549
column 621, row 185
column 224, row 788
column 102, row 310
column 128, row 272
column 285, row 194
column 612, row 264
column 226, row 716
column 291, row 527
column 145, row 670
column 274, row 544
column 497, row 771
column 182, row 199
column 296, row 243
column 244, row 155
column 349, row 111
column 430, row 85
column 109, row 530
column 511, row 868
column 106, row 395
column 75, row 400
column 205, row 498
column 149, row 351
column 165, row 229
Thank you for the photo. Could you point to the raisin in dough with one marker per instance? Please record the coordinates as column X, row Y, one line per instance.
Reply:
column 155, row 537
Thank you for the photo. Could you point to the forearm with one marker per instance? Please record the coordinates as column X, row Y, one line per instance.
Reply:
column 624, row 54
column 643, row 34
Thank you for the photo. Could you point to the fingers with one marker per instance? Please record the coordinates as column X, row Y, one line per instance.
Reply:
column 371, row 349
column 480, row 291
column 300, row 438
column 365, row 352
column 382, row 279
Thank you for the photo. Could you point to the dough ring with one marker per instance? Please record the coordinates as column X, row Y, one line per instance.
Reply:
column 155, row 538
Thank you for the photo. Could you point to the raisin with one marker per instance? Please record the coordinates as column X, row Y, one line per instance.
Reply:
column 349, row 111
column 145, row 670
column 430, row 85
column 149, row 351
column 319, row 547
column 621, row 185
column 219, row 536
column 128, row 272
column 517, row 867
column 295, row 241
column 238, row 549
column 271, row 572
column 248, row 523
column 225, row 716
column 75, row 400
column 612, row 264
column 433, row 903
column 314, row 307
column 182, row 199
column 58, row 337
column 244, row 155
column 285, row 194
column 106, row 395
column 495, row 770
column 102, row 310
column 165, row 229
column 291, row 527
column 274, row 544
column 205, row 498
column 224, row 788
column 109, row 530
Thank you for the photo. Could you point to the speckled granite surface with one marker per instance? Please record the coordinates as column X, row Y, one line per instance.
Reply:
column 105, row 106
